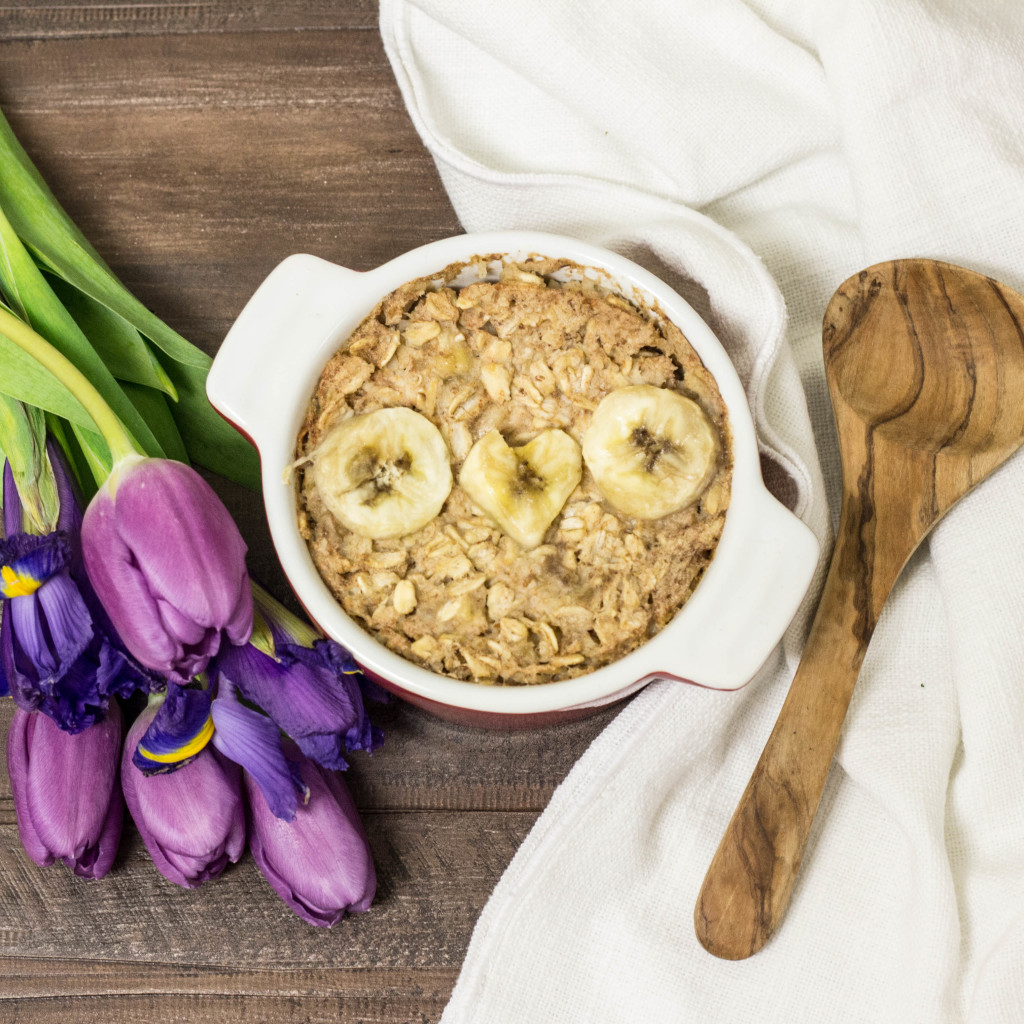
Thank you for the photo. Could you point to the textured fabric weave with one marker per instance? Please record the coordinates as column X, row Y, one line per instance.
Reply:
column 755, row 155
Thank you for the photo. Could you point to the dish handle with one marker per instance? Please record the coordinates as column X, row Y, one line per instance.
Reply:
column 294, row 312
column 744, row 604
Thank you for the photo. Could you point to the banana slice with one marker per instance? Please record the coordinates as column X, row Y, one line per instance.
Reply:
column 522, row 489
column 651, row 450
column 383, row 474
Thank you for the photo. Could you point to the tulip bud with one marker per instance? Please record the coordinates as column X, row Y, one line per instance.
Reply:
column 66, row 797
column 168, row 563
column 319, row 863
column 192, row 820
column 58, row 652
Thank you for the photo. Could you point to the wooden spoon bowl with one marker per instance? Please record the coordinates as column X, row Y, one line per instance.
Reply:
column 925, row 367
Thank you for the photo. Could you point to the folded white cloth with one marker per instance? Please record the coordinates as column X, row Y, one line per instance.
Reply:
column 821, row 137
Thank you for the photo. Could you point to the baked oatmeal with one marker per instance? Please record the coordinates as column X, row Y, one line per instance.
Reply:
column 516, row 480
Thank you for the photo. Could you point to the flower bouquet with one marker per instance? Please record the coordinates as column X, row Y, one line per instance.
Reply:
column 144, row 596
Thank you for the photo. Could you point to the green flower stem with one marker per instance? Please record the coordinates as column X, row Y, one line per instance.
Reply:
column 118, row 440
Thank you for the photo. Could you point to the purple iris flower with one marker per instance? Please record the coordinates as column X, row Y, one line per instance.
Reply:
column 188, row 720
column 178, row 730
column 168, row 563
column 253, row 740
column 66, row 798
column 192, row 821
column 59, row 653
column 308, row 685
column 320, row 862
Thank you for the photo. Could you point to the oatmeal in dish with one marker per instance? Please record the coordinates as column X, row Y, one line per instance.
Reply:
column 516, row 480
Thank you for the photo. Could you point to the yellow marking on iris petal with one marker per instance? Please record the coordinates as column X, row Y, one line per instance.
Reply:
column 18, row 584
column 190, row 749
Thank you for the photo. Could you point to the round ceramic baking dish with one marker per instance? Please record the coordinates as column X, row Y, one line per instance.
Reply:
column 262, row 380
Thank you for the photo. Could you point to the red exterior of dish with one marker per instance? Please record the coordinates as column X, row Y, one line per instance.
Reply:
column 487, row 719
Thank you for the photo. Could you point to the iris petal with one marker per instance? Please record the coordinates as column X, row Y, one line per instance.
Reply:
column 31, row 642
column 29, row 561
column 254, row 741
column 52, row 630
column 301, row 694
column 310, row 686
column 181, row 728
column 67, row 618
column 363, row 734
column 76, row 702
column 19, row 687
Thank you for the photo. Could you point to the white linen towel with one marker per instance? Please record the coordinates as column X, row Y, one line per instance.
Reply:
column 821, row 137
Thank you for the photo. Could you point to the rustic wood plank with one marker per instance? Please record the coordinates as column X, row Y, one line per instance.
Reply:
column 407, row 1005
column 436, row 871
column 427, row 764
column 44, row 20
column 31, row 978
column 195, row 164
column 197, row 145
column 390, row 1002
column 247, row 70
column 125, row 992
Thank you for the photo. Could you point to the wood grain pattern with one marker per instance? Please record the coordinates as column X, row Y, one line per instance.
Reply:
column 925, row 366
column 197, row 145
column 44, row 20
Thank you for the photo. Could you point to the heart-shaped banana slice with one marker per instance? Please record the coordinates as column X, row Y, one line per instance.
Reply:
column 522, row 489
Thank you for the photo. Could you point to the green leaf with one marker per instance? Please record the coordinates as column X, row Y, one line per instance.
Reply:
column 152, row 406
column 23, row 281
column 118, row 344
column 95, row 453
column 211, row 442
column 23, row 435
column 58, row 245
column 23, row 378
column 49, row 232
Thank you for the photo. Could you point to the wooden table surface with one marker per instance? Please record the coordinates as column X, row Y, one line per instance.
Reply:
column 196, row 145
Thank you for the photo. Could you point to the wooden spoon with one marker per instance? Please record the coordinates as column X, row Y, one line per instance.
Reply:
column 925, row 366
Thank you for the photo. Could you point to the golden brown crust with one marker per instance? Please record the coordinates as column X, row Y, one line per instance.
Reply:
column 521, row 355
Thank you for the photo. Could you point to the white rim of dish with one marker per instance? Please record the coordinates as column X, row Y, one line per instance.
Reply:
column 279, row 426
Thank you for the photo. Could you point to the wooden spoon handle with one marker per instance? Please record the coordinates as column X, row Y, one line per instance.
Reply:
column 751, row 876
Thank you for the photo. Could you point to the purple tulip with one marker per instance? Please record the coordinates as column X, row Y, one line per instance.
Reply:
column 303, row 682
column 168, row 563
column 66, row 798
column 58, row 651
column 191, row 820
column 319, row 863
